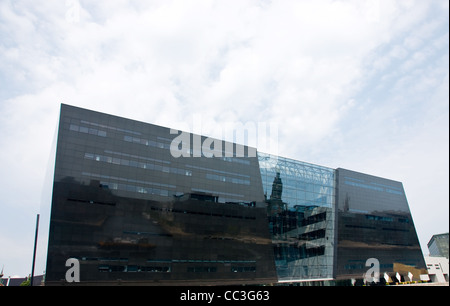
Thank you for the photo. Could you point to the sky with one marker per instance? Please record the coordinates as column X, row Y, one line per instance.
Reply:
column 357, row 84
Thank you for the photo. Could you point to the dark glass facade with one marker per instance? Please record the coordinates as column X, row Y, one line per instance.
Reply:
column 132, row 213
column 128, row 210
column 374, row 221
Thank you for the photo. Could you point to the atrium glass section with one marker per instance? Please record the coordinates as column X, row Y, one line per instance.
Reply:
column 300, row 204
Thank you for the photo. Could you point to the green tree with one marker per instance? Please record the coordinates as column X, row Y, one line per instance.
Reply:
column 26, row 282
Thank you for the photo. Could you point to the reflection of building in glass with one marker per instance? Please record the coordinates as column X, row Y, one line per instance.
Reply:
column 301, row 218
column 130, row 211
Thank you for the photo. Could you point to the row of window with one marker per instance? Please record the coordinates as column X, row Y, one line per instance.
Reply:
column 192, row 152
column 91, row 201
column 314, row 235
column 371, row 187
column 203, row 261
column 379, row 218
column 103, row 126
column 386, row 219
column 164, row 145
column 134, row 268
column 138, row 157
column 209, row 214
column 436, row 266
column 159, row 168
column 217, row 171
column 146, row 142
column 214, row 269
column 222, row 178
column 104, row 183
column 374, row 228
column 167, row 269
column 139, row 233
column 291, row 252
column 217, row 193
column 86, row 130
column 110, row 259
column 156, row 190
column 133, row 188
column 362, row 266
column 168, row 261
column 142, row 165
column 135, row 164
column 101, row 176
column 372, row 183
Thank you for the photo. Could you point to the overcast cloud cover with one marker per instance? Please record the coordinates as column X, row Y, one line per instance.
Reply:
column 360, row 84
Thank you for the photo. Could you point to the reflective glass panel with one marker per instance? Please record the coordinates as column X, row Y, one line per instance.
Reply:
column 300, row 207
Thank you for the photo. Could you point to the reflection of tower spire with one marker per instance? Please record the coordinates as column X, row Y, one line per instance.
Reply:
column 275, row 205
column 277, row 188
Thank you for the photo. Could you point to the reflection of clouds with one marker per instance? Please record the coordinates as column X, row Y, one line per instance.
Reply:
column 304, row 184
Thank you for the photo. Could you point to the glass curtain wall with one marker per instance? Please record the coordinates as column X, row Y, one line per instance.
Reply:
column 300, row 201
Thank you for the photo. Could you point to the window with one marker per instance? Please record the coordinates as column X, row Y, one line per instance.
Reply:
column 133, row 268
column 243, row 269
column 313, row 235
column 74, row 128
column 141, row 190
column 202, row 269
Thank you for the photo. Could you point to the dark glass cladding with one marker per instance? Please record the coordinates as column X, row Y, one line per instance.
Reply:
column 132, row 212
column 374, row 221
column 129, row 211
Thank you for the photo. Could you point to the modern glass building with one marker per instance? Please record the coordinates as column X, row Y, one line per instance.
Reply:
column 133, row 213
column 438, row 245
